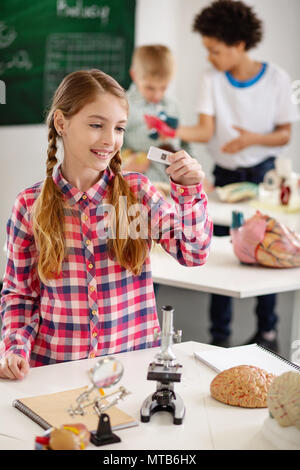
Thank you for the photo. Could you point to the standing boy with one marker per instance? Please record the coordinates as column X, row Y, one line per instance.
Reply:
column 152, row 70
column 245, row 113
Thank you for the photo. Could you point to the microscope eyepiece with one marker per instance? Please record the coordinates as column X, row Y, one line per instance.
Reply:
column 168, row 308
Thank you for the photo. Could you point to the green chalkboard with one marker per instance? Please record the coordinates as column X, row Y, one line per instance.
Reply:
column 41, row 41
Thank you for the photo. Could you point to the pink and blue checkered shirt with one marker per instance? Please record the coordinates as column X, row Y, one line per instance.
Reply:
column 95, row 307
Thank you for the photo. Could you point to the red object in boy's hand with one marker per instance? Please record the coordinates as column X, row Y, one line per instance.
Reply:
column 162, row 128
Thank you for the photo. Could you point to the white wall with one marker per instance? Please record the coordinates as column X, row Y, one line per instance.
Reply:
column 23, row 153
column 23, row 148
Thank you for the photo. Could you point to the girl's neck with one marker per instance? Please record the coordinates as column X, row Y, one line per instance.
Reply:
column 82, row 179
column 245, row 69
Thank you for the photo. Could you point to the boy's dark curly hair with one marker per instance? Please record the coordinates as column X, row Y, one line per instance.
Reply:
column 230, row 21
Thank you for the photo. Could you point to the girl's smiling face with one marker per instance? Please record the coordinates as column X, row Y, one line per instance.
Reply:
column 93, row 136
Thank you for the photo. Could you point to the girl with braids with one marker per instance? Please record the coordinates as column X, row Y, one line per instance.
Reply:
column 68, row 292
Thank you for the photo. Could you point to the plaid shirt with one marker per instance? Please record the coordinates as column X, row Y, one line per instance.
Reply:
column 95, row 307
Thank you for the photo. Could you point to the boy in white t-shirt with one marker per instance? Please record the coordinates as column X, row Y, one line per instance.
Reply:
column 245, row 115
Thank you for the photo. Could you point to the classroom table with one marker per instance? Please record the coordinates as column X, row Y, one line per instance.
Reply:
column 224, row 274
column 221, row 212
column 208, row 424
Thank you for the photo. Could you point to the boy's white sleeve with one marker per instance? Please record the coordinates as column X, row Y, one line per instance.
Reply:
column 205, row 101
column 287, row 109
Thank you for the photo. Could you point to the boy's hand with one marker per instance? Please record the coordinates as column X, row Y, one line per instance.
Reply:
column 184, row 169
column 13, row 367
column 245, row 139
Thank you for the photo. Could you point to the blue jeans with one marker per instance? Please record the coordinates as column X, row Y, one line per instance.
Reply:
column 221, row 305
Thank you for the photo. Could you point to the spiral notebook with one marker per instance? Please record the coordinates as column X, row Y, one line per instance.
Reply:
column 52, row 411
column 251, row 354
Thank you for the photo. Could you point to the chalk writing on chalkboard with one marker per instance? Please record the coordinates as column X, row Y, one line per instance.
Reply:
column 66, row 52
column 80, row 11
column 42, row 41
column 2, row 92
column 20, row 60
column 7, row 35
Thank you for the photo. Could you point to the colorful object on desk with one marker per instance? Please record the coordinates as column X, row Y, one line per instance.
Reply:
column 106, row 372
column 243, row 385
column 285, row 192
column 73, row 436
column 236, row 192
column 281, row 186
column 237, row 219
column 42, row 443
column 264, row 241
column 161, row 125
column 282, row 427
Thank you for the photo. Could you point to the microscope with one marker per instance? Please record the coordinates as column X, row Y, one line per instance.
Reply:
column 165, row 371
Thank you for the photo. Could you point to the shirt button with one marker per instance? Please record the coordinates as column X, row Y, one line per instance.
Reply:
column 85, row 218
column 92, row 355
column 94, row 312
column 88, row 242
column 92, row 288
column 94, row 334
column 84, row 196
column 91, row 266
column 181, row 190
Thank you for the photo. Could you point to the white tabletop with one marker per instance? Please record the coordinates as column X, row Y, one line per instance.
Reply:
column 223, row 273
column 208, row 424
column 221, row 212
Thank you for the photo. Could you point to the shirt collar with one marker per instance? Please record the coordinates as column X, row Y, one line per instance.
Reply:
column 94, row 194
column 247, row 83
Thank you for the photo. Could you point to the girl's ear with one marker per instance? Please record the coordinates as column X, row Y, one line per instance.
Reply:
column 59, row 122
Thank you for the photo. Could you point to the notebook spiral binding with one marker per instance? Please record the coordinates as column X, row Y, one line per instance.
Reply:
column 28, row 412
column 292, row 364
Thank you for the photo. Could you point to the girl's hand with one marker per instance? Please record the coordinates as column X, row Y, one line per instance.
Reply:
column 13, row 367
column 184, row 169
column 244, row 140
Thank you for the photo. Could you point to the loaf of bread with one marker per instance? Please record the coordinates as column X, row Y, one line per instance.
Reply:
column 244, row 385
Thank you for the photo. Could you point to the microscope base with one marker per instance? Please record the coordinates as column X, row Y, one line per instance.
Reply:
column 174, row 405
